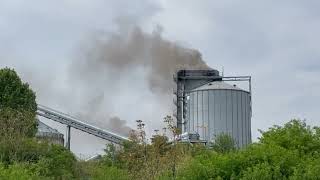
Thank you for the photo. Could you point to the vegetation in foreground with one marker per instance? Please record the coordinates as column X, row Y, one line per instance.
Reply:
column 291, row 151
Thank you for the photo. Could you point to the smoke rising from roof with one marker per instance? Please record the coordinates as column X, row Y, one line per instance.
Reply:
column 110, row 61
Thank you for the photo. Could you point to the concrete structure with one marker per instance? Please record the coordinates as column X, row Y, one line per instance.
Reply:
column 46, row 133
column 207, row 105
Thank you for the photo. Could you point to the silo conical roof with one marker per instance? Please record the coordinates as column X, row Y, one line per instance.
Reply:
column 218, row 85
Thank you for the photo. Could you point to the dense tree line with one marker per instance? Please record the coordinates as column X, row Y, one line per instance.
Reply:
column 288, row 152
column 291, row 151
column 22, row 156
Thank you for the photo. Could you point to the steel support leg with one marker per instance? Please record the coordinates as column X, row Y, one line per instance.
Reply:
column 68, row 137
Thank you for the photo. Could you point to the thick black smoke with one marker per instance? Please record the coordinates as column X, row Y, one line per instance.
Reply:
column 109, row 60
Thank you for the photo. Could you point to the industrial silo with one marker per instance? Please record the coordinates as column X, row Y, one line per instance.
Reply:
column 217, row 107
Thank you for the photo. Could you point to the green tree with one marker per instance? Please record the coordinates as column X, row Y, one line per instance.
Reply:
column 16, row 124
column 21, row 150
column 294, row 135
column 147, row 160
column 308, row 169
column 110, row 156
column 21, row 155
column 223, row 143
column 283, row 152
column 131, row 156
column 17, row 105
column 261, row 171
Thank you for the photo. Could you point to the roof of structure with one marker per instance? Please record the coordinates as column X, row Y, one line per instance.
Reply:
column 218, row 85
column 43, row 128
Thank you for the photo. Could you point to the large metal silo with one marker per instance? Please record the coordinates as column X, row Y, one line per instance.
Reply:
column 188, row 80
column 218, row 107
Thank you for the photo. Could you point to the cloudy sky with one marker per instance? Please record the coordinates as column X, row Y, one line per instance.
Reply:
column 276, row 42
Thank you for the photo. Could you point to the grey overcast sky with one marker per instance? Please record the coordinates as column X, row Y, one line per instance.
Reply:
column 276, row 42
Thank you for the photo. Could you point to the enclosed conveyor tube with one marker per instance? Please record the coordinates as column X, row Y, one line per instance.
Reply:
column 73, row 122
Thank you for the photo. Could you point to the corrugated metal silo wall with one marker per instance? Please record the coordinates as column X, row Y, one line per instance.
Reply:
column 215, row 111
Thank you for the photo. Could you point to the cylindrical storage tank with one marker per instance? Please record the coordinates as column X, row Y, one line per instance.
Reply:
column 218, row 107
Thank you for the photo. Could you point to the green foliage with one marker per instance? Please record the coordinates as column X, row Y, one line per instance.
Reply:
column 17, row 105
column 21, row 155
column 164, row 160
column 15, row 94
column 172, row 125
column 261, row 171
column 308, row 169
column 112, row 173
column 16, row 124
column 17, row 171
column 57, row 162
column 223, row 143
column 97, row 170
column 146, row 161
column 288, row 152
column 46, row 160
column 21, row 150
column 295, row 135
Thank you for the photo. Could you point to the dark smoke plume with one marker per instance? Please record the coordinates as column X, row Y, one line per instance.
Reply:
column 109, row 61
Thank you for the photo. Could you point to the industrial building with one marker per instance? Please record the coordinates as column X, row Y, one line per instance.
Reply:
column 207, row 105
column 46, row 133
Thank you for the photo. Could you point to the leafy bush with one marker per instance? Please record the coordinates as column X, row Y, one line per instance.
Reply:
column 47, row 160
column 223, row 143
column 17, row 171
column 57, row 162
column 295, row 135
column 288, row 152
column 110, row 173
column 17, row 106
